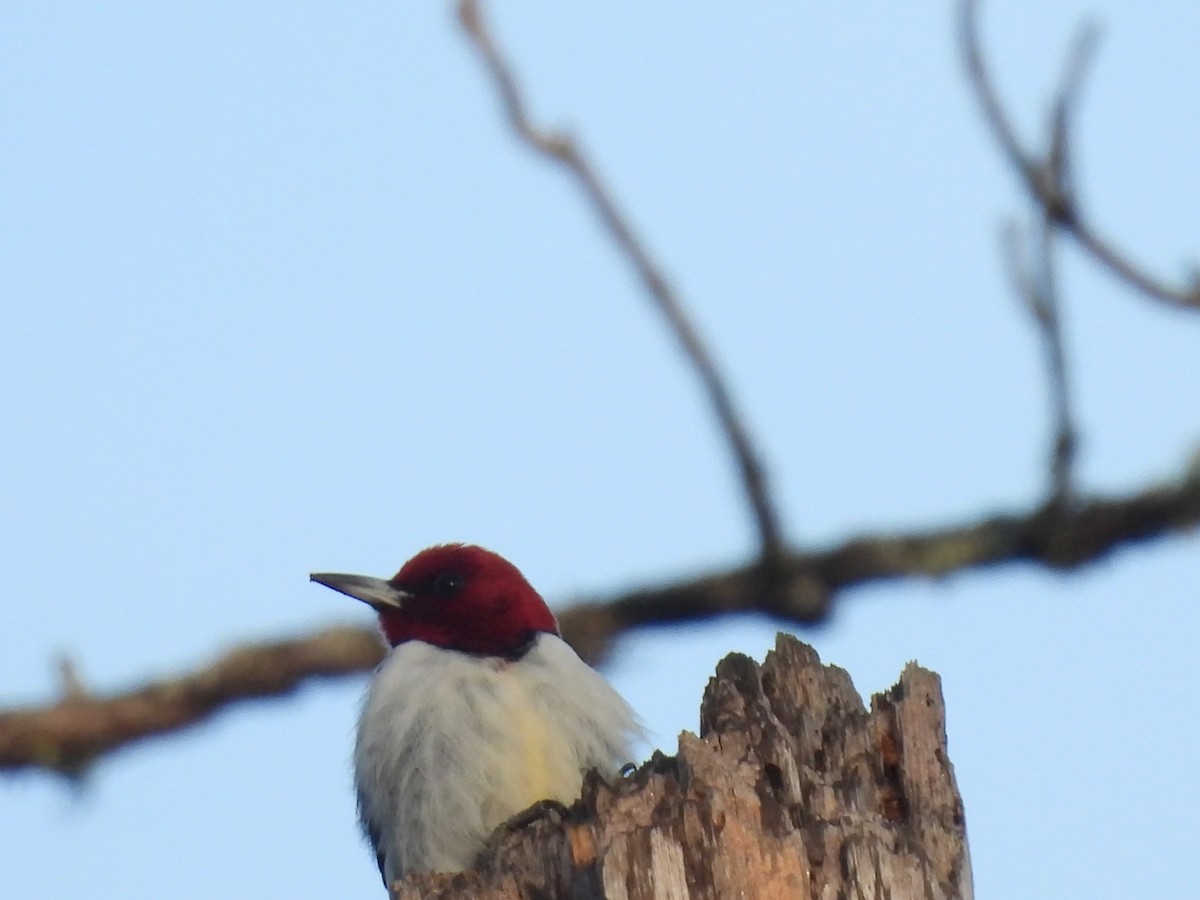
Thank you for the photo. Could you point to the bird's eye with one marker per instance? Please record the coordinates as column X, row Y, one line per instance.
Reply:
column 447, row 584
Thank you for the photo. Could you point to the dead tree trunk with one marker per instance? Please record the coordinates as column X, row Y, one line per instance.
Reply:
column 793, row 789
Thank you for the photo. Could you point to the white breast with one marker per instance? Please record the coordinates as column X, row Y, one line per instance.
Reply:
column 450, row 745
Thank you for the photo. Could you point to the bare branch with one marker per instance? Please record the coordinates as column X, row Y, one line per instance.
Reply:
column 1055, row 538
column 1048, row 181
column 560, row 148
column 1035, row 281
column 1058, row 156
column 65, row 737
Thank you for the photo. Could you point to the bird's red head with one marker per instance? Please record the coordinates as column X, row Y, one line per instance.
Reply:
column 456, row 596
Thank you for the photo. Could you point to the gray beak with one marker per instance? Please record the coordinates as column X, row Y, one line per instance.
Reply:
column 373, row 591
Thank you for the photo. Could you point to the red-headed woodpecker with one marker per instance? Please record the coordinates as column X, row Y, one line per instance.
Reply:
column 479, row 710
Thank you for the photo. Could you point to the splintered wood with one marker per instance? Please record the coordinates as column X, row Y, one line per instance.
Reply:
column 792, row 790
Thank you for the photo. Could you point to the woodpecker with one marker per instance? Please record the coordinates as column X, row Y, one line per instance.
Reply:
column 479, row 710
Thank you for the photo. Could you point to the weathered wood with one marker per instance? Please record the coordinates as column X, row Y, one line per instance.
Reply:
column 792, row 790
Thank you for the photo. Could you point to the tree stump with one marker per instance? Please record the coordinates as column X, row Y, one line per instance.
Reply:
column 793, row 789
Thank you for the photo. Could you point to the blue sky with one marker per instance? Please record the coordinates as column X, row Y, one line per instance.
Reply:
column 283, row 295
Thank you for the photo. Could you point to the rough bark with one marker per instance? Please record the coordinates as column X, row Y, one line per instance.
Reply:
column 792, row 790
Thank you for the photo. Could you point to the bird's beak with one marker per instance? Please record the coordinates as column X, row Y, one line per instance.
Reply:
column 373, row 591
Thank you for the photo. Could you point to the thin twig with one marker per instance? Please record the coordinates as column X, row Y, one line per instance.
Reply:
column 66, row 736
column 1035, row 282
column 1035, row 274
column 1065, row 434
column 1047, row 180
column 561, row 149
column 1058, row 157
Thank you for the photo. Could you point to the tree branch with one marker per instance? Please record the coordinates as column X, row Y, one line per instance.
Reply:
column 561, row 149
column 1035, row 281
column 1047, row 180
column 65, row 737
column 1049, row 536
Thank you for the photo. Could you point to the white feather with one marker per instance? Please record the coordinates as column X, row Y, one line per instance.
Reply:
column 450, row 745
